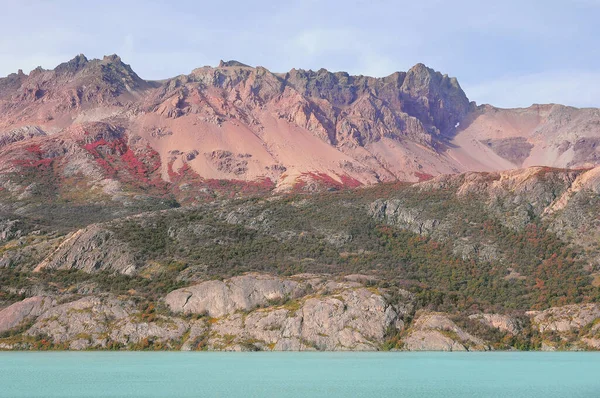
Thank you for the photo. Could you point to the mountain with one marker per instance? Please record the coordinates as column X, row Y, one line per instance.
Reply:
column 249, row 129
column 213, row 211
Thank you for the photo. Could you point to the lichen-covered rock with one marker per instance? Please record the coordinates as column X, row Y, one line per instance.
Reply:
column 566, row 318
column 334, row 316
column 91, row 249
column 395, row 213
column 502, row 322
column 97, row 321
column 218, row 298
column 591, row 342
column 352, row 319
column 163, row 329
column 436, row 332
column 88, row 318
column 13, row 315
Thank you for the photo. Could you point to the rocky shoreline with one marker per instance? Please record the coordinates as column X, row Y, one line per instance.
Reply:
column 307, row 312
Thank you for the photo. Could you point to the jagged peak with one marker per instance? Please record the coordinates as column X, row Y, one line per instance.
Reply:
column 423, row 72
column 421, row 79
column 80, row 62
column 73, row 66
column 421, row 67
column 230, row 63
column 36, row 71
column 112, row 59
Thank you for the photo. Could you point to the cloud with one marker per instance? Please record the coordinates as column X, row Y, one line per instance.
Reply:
column 573, row 87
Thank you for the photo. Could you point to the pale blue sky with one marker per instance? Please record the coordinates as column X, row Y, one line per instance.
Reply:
column 508, row 53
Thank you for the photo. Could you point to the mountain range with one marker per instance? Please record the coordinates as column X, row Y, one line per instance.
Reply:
column 97, row 121
column 239, row 209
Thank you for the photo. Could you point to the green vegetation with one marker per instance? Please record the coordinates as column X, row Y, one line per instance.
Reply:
column 333, row 233
column 478, row 255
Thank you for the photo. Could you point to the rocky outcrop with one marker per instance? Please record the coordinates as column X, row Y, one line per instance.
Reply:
column 10, row 229
column 21, row 311
column 100, row 321
column 436, row 332
column 516, row 196
column 437, row 95
column 263, row 312
column 91, row 249
column 218, row 298
column 352, row 319
column 250, row 312
column 504, row 323
column 20, row 134
column 314, row 314
column 565, row 319
column 394, row 212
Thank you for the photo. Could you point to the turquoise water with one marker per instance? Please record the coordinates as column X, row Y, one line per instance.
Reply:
column 163, row 374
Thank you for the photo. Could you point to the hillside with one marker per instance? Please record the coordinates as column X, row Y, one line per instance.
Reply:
column 239, row 209
column 473, row 261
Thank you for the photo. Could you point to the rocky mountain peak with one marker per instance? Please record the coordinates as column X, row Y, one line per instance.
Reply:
column 346, row 127
column 110, row 69
column 429, row 94
column 112, row 58
column 73, row 66
column 225, row 64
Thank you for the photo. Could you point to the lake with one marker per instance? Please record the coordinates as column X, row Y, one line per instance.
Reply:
column 207, row 374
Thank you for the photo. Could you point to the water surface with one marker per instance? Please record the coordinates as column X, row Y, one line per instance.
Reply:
column 170, row 374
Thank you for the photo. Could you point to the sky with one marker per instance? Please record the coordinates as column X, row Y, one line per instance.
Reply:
column 510, row 53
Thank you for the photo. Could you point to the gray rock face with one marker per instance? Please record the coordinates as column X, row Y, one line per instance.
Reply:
column 96, row 321
column 20, row 134
column 265, row 312
column 353, row 319
column 15, row 314
column 334, row 316
column 10, row 229
column 436, row 332
column 428, row 92
column 393, row 212
column 502, row 322
column 88, row 318
column 249, row 312
column 216, row 298
column 565, row 319
column 91, row 249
